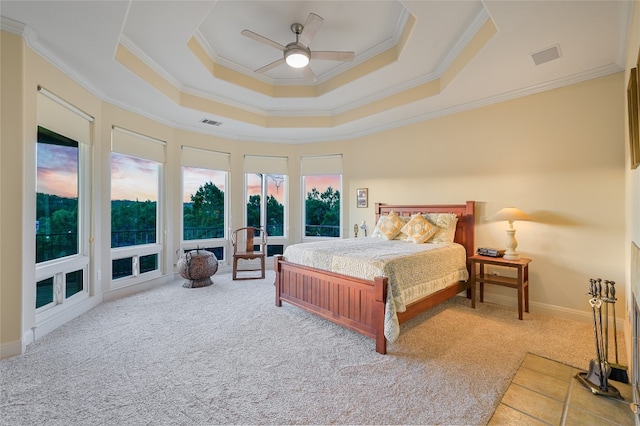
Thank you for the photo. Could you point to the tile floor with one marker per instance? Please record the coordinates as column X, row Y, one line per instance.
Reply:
column 546, row 392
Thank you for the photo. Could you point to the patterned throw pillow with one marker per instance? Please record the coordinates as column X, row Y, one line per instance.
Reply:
column 390, row 225
column 446, row 223
column 419, row 229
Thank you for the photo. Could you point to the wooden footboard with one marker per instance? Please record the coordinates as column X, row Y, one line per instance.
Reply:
column 359, row 304
column 419, row 306
column 353, row 303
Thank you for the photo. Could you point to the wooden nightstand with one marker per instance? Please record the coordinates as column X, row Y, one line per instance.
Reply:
column 521, row 282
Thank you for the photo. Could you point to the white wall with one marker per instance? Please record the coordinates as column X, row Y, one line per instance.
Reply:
column 557, row 155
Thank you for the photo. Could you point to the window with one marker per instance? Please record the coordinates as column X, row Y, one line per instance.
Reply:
column 63, row 151
column 265, row 206
column 322, row 183
column 205, row 177
column 55, row 290
column 203, row 212
column 136, row 174
column 266, row 195
column 57, row 196
column 134, row 200
column 322, row 206
column 44, row 292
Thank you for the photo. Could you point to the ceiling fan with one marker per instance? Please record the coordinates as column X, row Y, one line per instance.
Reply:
column 297, row 54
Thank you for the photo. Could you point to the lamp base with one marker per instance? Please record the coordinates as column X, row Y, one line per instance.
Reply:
column 512, row 243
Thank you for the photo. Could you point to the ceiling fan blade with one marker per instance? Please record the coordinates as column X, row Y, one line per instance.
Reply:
column 310, row 28
column 309, row 75
column 262, row 39
column 333, row 56
column 270, row 66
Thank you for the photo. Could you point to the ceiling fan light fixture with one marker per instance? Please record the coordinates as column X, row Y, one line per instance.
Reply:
column 297, row 57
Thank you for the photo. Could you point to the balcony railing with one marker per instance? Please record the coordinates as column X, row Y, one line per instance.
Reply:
column 321, row 231
column 55, row 246
column 202, row 233
column 133, row 237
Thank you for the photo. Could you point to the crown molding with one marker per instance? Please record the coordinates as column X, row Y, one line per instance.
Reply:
column 126, row 42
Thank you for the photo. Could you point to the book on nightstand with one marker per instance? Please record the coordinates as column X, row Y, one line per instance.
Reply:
column 492, row 252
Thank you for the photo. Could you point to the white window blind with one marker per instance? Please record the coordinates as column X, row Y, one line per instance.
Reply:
column 137, row 145
column 321, row 165
column 205, row 159
column 63, row 118
column 266, row 164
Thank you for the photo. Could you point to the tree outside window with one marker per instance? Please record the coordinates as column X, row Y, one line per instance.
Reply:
column 203, row 204
column 265, row 202
column 134, row 200
column 322, row 205
column 56, row 196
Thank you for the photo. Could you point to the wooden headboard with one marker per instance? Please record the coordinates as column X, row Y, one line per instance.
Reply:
column 465, row 231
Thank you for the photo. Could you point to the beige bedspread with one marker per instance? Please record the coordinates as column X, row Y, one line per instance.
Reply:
column 413, row 270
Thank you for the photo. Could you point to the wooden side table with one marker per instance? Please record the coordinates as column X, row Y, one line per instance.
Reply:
column 521, row 282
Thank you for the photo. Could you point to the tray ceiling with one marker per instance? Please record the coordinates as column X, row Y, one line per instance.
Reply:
column 184, row 62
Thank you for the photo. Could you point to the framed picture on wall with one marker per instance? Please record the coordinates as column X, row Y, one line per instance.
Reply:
column 362, row 197
column 633, row 112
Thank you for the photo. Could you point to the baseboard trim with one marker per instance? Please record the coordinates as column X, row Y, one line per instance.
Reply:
column 547, row 309
column 7, row 350
column 117, row 293
column 46, row 326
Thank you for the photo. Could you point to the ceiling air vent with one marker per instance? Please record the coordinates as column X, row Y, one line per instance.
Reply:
column 210, row 122
column 546, row 55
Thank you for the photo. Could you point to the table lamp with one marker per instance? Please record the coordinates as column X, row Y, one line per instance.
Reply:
column 364, row 227
column 510, row 214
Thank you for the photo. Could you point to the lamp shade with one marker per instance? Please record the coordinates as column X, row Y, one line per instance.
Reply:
column 510, row 214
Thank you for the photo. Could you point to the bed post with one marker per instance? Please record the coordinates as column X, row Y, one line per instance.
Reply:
column 278, row 279
column 380, row 290
column 469, row 245
column 469, row 228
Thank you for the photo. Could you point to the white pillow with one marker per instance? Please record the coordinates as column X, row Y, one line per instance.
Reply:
column 446, row 223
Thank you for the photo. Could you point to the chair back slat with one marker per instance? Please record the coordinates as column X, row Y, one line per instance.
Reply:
column 244, row 248
column 249, row 238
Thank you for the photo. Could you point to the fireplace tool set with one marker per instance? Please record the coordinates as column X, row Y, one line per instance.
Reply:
column 601, row 370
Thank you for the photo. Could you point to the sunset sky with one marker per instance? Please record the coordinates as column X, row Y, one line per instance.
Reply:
column 321, row 183
column 194, row 177
column 57, row 171
column 134, row 178
column 254, row 182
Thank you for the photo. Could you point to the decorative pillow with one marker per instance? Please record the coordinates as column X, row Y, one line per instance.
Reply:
column 389, row 226
column 402, row 236
column 419, row 229
column 446, row 223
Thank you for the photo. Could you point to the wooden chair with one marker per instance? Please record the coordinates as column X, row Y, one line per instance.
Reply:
column 249, row 243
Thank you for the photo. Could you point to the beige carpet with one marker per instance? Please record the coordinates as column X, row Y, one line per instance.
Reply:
column 224, row 354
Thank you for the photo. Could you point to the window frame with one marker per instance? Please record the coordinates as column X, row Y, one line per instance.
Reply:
column 272, row 240
column 158, row 156
column 59, row 267
column 186, row 245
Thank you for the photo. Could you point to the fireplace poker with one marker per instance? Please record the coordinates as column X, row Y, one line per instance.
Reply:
column 618, row 372
column 596, row 379
column 606, row 317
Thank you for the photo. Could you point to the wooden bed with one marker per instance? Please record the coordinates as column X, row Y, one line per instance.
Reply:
column 359, row 304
